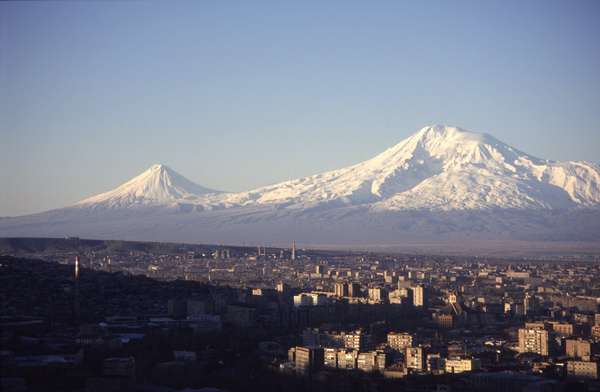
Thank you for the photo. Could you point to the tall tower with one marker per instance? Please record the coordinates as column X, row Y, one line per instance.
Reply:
column 293, row 249
column 76, row 299
column 77, row 269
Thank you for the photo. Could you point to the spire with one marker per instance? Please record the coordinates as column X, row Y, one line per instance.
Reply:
column 76, row 306
column 76, row 268
column 293, row 249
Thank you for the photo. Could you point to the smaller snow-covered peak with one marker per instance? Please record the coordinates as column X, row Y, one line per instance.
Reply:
column 157, row 185
column 158, row 167
column 161, row 171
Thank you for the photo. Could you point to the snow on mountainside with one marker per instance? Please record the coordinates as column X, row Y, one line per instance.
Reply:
column 439, row 168
column 159, row 185
column 442, row 183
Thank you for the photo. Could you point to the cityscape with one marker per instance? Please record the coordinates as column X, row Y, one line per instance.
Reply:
column 309, row 196
column 105, row 315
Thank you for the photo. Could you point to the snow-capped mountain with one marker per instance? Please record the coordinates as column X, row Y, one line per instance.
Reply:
column 440, row 183
column 159, row 185
column 441, row 168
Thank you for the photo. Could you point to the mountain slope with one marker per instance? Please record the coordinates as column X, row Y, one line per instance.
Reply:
column 441, row 168
column 159, row 185
column 442, row 183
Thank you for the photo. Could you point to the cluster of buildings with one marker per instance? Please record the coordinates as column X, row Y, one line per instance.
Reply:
column 398, row 356
column 479, row 323
column 570, row 346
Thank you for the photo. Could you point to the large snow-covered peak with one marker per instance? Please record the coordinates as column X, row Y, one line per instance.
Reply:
column 452, row 145
column 447, row 132
column 438, row 135
column 431, row 151
column 157, row 185
column 441, row 168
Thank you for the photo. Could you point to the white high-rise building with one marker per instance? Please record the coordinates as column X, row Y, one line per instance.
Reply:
column 533, row 340
column 419, row 296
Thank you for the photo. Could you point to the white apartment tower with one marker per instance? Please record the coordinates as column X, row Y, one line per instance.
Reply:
column 533, row 340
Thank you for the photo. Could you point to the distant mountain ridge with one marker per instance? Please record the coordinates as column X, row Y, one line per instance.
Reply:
column 441, row 182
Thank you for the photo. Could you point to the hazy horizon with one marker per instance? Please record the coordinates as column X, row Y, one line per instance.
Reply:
column 238, row 96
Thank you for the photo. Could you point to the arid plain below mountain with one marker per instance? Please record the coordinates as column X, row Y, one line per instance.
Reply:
column 441, row 184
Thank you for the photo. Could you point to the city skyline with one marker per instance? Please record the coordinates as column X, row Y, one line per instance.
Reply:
column 310, row 319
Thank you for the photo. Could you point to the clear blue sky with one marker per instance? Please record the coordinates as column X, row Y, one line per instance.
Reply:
column 239, row 94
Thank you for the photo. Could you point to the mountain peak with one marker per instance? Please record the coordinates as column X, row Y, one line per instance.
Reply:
column 157, row 167
column 158, row 172
column 441, row 129
column 437, row 144
column 450, row 134
column 159, row 184
column 160, row 169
